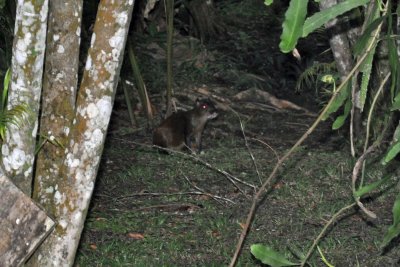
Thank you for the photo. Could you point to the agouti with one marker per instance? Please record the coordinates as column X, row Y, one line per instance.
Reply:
column 183, row 127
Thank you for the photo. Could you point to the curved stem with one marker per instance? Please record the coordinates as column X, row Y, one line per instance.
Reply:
column 330, row 222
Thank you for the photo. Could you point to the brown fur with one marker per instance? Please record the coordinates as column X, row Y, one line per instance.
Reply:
column 182, row 128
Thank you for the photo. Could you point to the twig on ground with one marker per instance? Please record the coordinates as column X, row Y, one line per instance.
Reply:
column 233, row 179
column 143, row 194
column 203, row 192
column 329, row 223
column 247, row 146
column 356, row 171
column 265, row 144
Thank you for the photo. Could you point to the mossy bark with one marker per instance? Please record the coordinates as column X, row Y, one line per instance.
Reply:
column 74, row 184
column 18, row 148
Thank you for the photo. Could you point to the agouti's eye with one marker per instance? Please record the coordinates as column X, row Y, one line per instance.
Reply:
column 204, row 106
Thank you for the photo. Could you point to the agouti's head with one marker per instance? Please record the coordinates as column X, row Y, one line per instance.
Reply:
column 205, row 108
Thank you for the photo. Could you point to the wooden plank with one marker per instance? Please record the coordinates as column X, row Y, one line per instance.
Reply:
column 23, row 225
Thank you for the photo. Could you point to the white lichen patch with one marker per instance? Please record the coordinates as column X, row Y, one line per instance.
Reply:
column 93, row 39
column 76, row 218
column 104, row 107
column 56, row 37
column 60, row 49
column 49, row 190
column 34, row 130
column 89, row 95
column 66, row 130
column 92, row 110
column 15, row 160
column 5, row 150
column 71, row 161
column 121, row 18
column 58, row 198
column 63, row 224
column 88, row 65
column 95, row 139
column 28, row 172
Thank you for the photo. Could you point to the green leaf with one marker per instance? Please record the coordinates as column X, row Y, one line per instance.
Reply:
column 368, row 188
column 366, row 66
column 394, row 66
column 6, row 83
column 338, row 101
column 366, row 74
column 393, row 151
column 292, row 26
column 342, row 118
column 268, row 2
column 396, row 103
column 268, row 256
column 320, row 18
column 2, row 3
column 362, row 42
column 394, row 229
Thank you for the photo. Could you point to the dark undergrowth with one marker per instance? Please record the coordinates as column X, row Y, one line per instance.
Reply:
column 155, row 209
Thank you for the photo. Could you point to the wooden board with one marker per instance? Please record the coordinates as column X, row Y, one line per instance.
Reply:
column 23, row 225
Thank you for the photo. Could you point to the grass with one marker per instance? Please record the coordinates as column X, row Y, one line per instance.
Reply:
column 180, row 229
column 144, row 211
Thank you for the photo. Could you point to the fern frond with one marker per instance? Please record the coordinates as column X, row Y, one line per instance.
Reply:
column 16, row 116
column 311, row 75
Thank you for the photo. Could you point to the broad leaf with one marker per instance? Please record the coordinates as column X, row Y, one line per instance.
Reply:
column 268, row 2
column 320, row 18
column 292, row 26
column 393, row 151
column 366, row 66
column 363, row 41
column 6, row 83
column 396, row 103
column 368, row 188
column 366, row 74
column 268, row 256
column 394, row 229
column 338, row 101
column 342, row 118
column 394, row 66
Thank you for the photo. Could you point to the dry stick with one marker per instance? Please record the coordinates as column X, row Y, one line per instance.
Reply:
column 247, row 146
column 369, row 119
column 330, row 222
column 265, row 144
column 356, row 171
column 285, row 157
column 173, row 194
column 203, row 192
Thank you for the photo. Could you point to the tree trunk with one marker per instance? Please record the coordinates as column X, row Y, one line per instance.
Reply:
column 75, row 183
column 18, row 149
column 338, row 41
column 60, row 83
